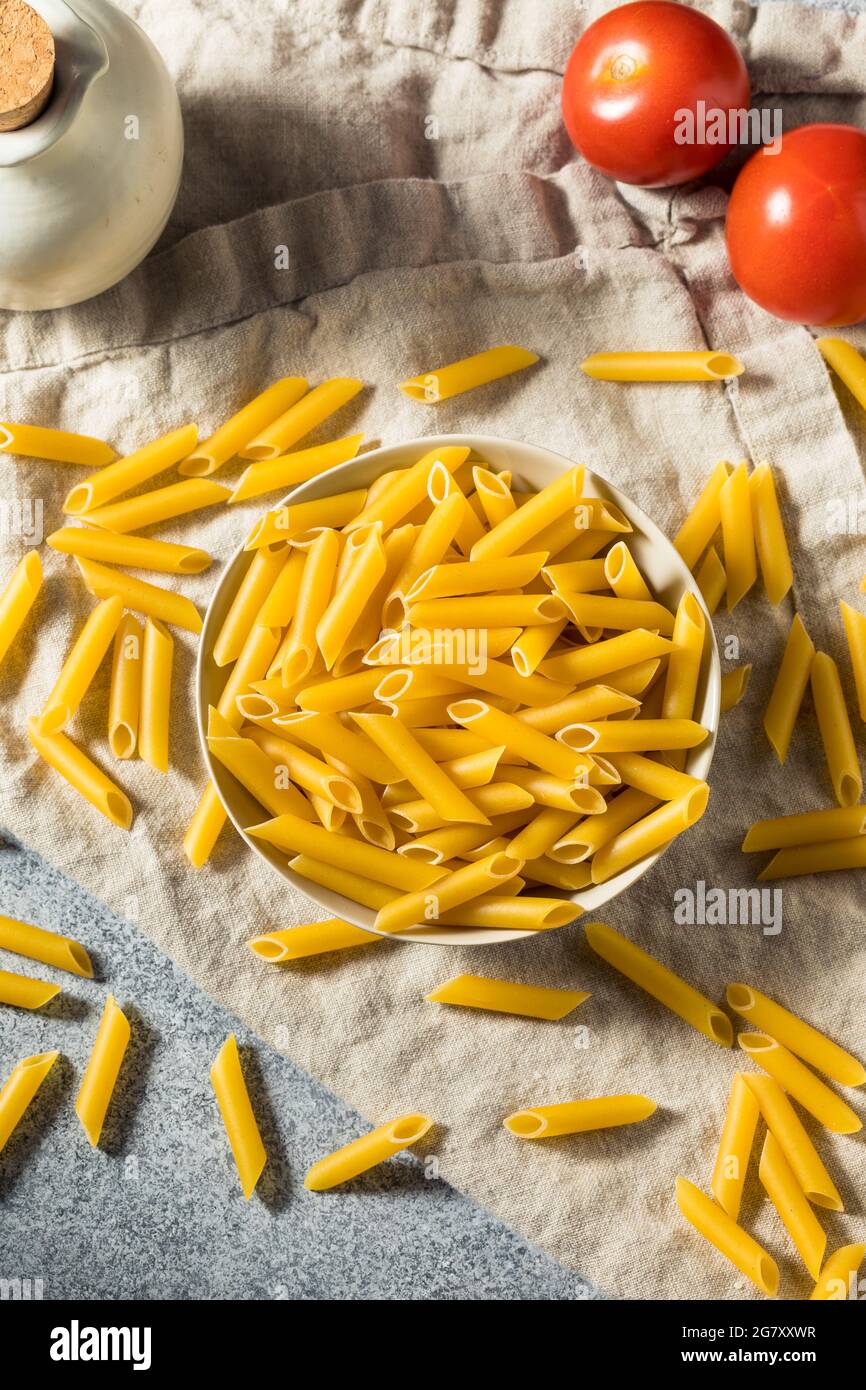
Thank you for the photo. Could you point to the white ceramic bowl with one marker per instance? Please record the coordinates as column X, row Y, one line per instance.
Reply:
column 658, row 561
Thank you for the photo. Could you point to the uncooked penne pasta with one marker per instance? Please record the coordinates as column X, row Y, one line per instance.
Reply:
column 236, row 1109
column 286, row 523
column 125, row 698
column 826, row 857
column 204, row 828
column 494, row 493
column 579, row 1116
column 684, row 662
column 655, row 779
column 783, row 1122
column 503, row 730
column 279, row 608
column 81, row 665
column 489, row 610
column 506, row 997
column 314, row 594
column 365, row 566
column 633, row 735
column 606, row 658
column 738, row 535
column 287, row 471
column 734, row 687
column 156, row 672
column 259, row 763
column 595, row 702
column 622, row 574
column 262, row 573
column 366, row 1152
column 847, row 363
column 773, row 555
column 102, row 1070
column 162, row 504
column 838, row 1278
column 512, row 913
column 789, row 688
column 301, row 418
column 18, row 1091
column 716, row 1226
column 650, row 975
column 23, row 992
column 312, row 939
column 127, row 473
column 291, row 833
column 792, row 1205
column 242, row 427
column 425, row 905
column 83, row 775
column 147, row 599
column 138, row 552
column 441, row 383
column 704, row 518
column 55, row 446
column 661, row 366
column 62, row 952
column 559, row 499
column 327, row 735
column 18, row 597
column 809, row 827
column 425, row 775
column 840, row 749
column 800, row 1083
column 711, row 579
column 799, row 1037
column 855, row 632
column 735, row 1147
column 356, row 887
column 579, row 844
column 476, row 577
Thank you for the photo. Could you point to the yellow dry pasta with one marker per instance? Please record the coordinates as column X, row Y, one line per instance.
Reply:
column 684, row 662
column 733, row 687
column 855, row 632
column 441, row 383
column 23, row 939
column 579, row 1116
column 799, row 1037
column 661, row 366
column 367, row 1152
column 287, row 471
column 426, row 905
column 826, row 857
column 138, row 552
column 653, row 977
column 840, row 749
column 653, row 832
column 789, row 688
column 297, row 836
column 262, row 573
column 204, row 828
column 633, row 735
column 770, row 541
column 147, row 599
column 356, row 887
column 806, row 828
column 783, row 1122
column 655, row 779
column 595, row 702
column 711, row 579
column 23, row 992
column 494, row 493
column 606, row 658
column 82, row 774
column 312, row 939
column 156, row 672
column 102, row 1070
column 507, row 997
column 54, row 446
column 485, row 611
column 259, row 762
column 704, row 518
column 327, row 735
column 242, row 427
column 503, row 730
column 81, row 665
column 847, row 363
column 790, row 1202
column 730, row 1240
column 124, row 703
column 558, row 501
column 233, row 1099
column 17, row 599
column 735, row 1147
column 404, row 751
column 365, row 566
column 838, row 1278
column 18, row 1091
column 301, row 418
column 305, row 519
column 162, row 504
column 622, row 574
column 278, row 609
column 800, row 1083
column 127, row 473
column 738, row 535
column 476, row 577
column 514, row 913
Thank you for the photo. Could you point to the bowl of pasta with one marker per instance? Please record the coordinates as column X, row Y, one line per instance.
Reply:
column 458, row 690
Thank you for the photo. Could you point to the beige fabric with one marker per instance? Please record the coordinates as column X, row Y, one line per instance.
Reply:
column 423, row 250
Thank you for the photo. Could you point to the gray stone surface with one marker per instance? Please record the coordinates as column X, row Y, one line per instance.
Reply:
column 157, row 1211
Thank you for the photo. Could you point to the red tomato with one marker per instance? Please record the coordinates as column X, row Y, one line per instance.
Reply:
column 796, row 226
column 628, row 77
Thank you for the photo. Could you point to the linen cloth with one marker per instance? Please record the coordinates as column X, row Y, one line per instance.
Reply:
column 411, row 158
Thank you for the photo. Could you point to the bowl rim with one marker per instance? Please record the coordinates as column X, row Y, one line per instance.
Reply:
column 384, row 459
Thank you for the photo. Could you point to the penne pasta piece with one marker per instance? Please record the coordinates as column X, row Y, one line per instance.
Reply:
column 541, row 834
column 711, row 579
column 127, row 473
column 485, row 611
column 730, row 1240
column 162, row 504
column 314, row 594
column 290, row 833
column 314, row 939
column 261, row 575
column 262, row 768
column 632, row 680
column 512, row 913
column 579, row 1116
column 657, row 780
column 800, row 1083
column 548, row 790
column 653, row 832
column 327, row 735
column 138, row 552
column 606, row 658
column 81, row 665
column 442, row 383
column 838, row 1278
column 233, row 1099
column 353, row 591
column 855, row 632
column 738, row 536
column 809, row 827
column 505, row 997
column 141, row 597
column 279, row 607
column 242, row 427
column 533, row 645
column 18, row 1091
column 476, row 577
column 734, row 687
column 254, row 660
column 426, row 776
column 571, row 878
column 581, row 576
column 589, row 835
column 653, row 977
column 48, row 947
column 556, row 501
column 18, row 597
column 684, row 662
column 621, row 574
column 494, row 799
column 503, row 730
column 317, row 778
column 783, row 1122
column 789, row 688
column 356, row 887
column 23, row 992
column 367, row 1152
column 425, row 905
column 156, row 672
column 847, row 363
column 305, row 519
column 840, row 749
column 598, row 610
column 827, row 857
column 348, row 692
column 83, row 775
column 287, row 471
column 301, row 418
column 54, row 446
column 799, row 1037
column 661, row 366
column 633, row 735
column 494, row 493
column 704, row 518
column 102, row 1070
column 793, row 1207
column 770, row 541
column 204, row 828
column 735, row 1147
column 595, row 702
column 440, row 486
column 409, row 489
column 124, row 703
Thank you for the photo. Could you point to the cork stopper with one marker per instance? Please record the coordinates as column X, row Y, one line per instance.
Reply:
column 26, row 64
